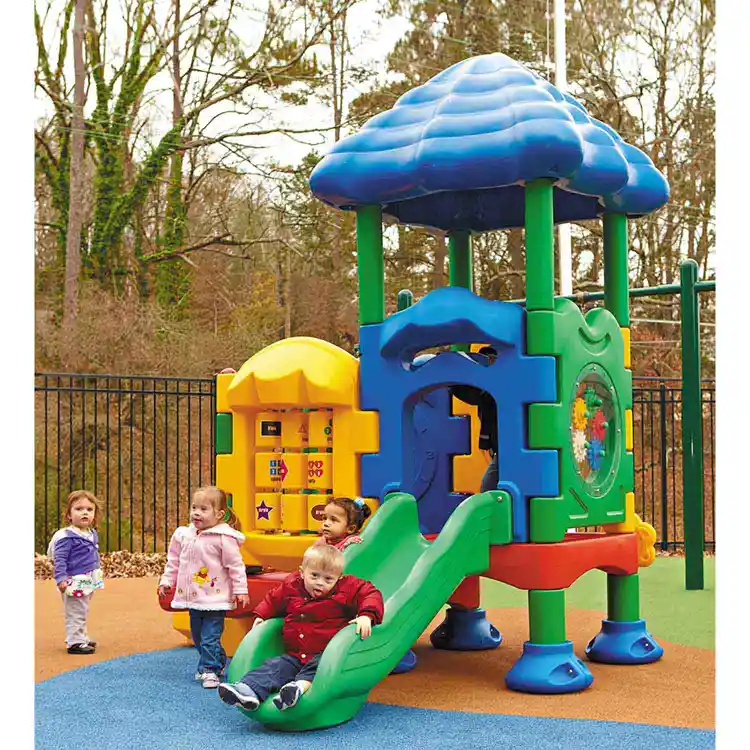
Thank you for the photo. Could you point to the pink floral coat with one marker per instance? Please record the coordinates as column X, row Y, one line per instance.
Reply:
column 205, row 569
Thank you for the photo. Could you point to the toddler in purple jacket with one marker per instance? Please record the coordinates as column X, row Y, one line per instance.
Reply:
column 75, row 551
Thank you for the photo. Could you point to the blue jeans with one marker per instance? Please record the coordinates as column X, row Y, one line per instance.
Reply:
column 490, row 478
column 206, row 627
column 275, row 672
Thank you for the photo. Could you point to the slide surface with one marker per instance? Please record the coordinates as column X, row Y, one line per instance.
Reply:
column 416, row 578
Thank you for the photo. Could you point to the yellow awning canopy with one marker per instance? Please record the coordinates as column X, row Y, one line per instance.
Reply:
column 299, row 372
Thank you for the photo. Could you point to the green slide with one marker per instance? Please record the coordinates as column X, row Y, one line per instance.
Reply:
column 416, row 578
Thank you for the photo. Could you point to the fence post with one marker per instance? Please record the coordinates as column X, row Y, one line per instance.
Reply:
column 664, row 466
column 692, row 428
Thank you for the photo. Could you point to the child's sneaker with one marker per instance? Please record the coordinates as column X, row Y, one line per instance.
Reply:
column 233, row 693
column 288, row 696
column 81, row 648
column 210, row 680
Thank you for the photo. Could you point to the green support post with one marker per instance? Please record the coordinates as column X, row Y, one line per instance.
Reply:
column 616, row 267
column 460, row 270
column 370, row 265
column 540, row 246
column 692, row 428
column 404, row 300
column 623, row 598
column 547, row 616
column 223, row 433
column 623, row 638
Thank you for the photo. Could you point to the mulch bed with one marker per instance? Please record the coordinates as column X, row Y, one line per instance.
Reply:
column 122, row 564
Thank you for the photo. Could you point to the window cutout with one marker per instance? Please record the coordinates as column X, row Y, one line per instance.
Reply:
column 484, row 357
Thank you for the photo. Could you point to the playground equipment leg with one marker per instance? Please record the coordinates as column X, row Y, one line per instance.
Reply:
column 407, row 663
column 466, row 627
column 548, row 663
column 623, row 638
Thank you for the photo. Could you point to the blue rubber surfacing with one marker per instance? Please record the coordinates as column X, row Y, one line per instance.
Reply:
column 151, row 701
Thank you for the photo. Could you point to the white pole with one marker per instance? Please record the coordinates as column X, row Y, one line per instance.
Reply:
column 565, row 259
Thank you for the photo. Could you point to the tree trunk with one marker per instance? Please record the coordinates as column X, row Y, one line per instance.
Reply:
column 131, row 282
column 75, row 210
column 176, row 74
column 288, row 294
column 515, row 254
column 172, row 277
column 438, row 274
column 337, row 299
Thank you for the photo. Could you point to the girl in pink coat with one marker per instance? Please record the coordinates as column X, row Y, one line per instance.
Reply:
column 205, row 567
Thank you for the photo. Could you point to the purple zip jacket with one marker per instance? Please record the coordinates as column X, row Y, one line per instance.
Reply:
column 73, row 553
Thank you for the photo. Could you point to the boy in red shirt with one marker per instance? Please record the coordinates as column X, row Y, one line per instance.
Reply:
column 316, row 602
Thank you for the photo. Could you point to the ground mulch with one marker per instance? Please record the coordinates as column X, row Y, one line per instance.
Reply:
column 678, row 691
column 121, row 564
column 124, row 618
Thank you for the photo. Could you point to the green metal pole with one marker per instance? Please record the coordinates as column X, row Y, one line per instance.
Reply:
column 692, row 428
column 616, row 267
column 460, row 267
column 623, row 598
column 546, row 616
column 540, row 246
column 404, row 299
column 370, row 265
column 641, row 291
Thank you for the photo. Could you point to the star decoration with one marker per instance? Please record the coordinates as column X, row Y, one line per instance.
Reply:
column 264, row 510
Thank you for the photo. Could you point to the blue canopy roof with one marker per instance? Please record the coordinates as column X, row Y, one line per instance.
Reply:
column 455, row 152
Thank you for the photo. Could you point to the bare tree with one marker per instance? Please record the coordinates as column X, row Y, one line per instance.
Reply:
column 75, row 211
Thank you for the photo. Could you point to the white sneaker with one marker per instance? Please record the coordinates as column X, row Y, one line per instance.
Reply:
column 238, row 692
column 198, row 676
column 210, row 680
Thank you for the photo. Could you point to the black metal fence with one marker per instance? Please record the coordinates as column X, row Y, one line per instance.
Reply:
column 657, row 424
column 138, row 443
column 142, row 443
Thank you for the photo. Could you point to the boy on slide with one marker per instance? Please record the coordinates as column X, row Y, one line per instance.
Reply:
column 316, row 602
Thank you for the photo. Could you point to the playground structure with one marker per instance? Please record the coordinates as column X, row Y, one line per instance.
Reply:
column 484, row 145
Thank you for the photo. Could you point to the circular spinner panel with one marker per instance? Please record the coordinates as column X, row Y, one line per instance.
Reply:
column 595, row 429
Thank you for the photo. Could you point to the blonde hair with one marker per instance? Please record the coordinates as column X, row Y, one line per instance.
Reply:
column 218, row 499
column 77, row 495
column 325, row 557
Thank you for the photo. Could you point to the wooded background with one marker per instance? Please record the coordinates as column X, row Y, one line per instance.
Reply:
column 171, row 240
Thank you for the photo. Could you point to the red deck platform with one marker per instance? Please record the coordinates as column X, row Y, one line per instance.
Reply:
column 526, row 566
column 553, row 566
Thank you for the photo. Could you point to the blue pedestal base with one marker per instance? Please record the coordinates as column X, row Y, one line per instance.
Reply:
column 548, row 668
column 407, row 663
column 624, row 643
column 466, row 630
